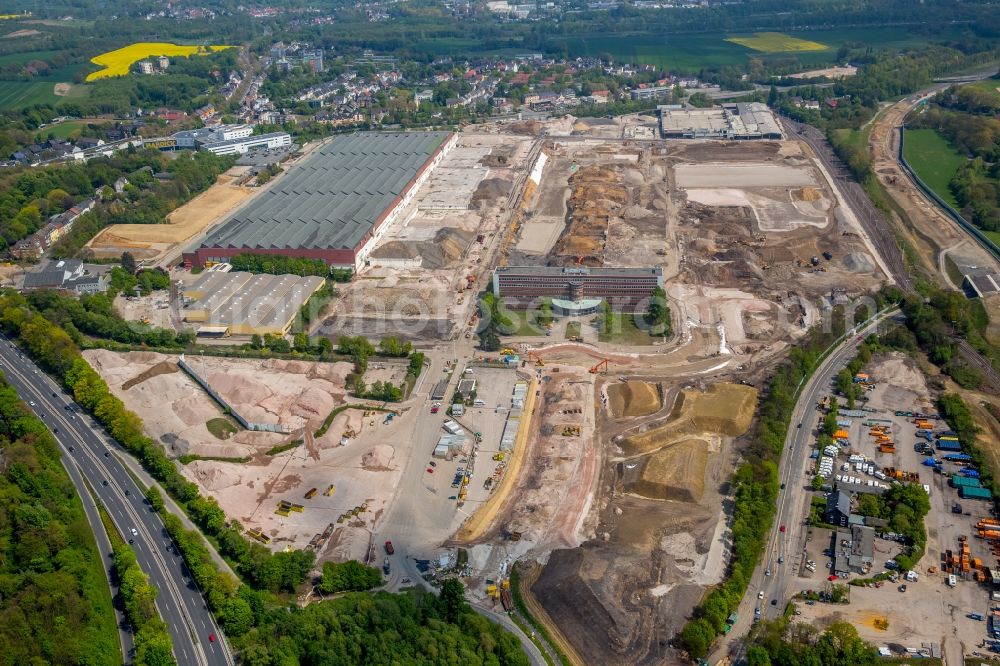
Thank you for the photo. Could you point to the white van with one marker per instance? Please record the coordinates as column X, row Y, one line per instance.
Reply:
column 479, row 403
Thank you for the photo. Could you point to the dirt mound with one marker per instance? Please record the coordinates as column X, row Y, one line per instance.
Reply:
column 529, row 127
column 161, row 368
column 807, row 194
column 676, row 472
column 725, row 409
column 491, row 189
column 445, row 249
column 858, row 262
column 633, row 398
column 379, row 459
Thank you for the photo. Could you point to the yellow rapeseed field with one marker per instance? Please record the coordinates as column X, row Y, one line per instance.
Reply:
column 118, row 62
column 776, row 42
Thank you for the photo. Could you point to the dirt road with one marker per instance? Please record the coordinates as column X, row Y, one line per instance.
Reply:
column 926, row 227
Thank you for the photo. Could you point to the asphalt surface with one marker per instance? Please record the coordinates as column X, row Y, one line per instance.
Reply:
column 771, row 577
column 179, row 600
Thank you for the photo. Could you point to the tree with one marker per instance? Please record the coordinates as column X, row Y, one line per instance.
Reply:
column 128, row 263
column 300, row 342
column 348, row 576
column 452, row 599
column 154, row 498
column 256, row 342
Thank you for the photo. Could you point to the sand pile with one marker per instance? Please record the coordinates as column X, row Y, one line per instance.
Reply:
column 445, row 249
column 725, row 409
column 677, row 472
column 379, row 459
column 807, row 194
column 162, row 368
column 491, row 189
column 633, row 398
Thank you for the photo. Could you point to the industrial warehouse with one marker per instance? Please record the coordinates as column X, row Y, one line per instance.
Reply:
column 740, row 122
column 335, row 205
column 576, row 291
column 239, row 303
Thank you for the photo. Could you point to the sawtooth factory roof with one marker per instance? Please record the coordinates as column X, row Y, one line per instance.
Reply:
column 334, row 197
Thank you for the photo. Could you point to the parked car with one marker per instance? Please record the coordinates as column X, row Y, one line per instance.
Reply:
column 388, row 548
column 781, row 529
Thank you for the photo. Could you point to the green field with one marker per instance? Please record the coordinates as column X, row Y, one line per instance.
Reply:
column 993, row 236
column 934, row 160
column 687, row 52
column 15, row 94
column 21, row 58
column 62, row 130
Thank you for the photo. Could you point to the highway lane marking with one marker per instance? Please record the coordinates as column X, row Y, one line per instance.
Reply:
column 71, row 428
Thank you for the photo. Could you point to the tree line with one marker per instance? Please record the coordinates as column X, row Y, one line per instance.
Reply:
column 55, row 607
column 153, row 646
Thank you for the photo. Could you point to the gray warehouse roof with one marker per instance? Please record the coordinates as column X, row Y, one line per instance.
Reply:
column 333, row 198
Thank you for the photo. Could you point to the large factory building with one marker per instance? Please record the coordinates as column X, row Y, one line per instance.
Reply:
column 335, row 205
column 575, row 290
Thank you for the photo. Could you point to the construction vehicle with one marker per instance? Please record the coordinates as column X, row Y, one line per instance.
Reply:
column 499, row 456
column 311, row 493
column 571, row 431
column 603, row 363
column 330, row 490
column 532, row 356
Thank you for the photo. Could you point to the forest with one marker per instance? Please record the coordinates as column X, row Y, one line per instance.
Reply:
column 55, row 606
column 781, row 643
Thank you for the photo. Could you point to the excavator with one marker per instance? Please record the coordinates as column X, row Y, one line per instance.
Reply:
column 602, row 364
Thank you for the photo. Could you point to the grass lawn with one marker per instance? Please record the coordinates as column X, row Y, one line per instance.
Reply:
column 993, row 236
column 624, row 331
column 62, row 130
column 221, row 428
column 933, row 159
column 523, row 324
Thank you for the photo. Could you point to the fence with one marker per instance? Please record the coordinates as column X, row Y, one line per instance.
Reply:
column 261, row 427
column 973, row 231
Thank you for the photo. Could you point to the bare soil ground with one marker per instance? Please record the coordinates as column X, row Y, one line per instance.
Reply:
column 618, row 595
column 295, row 394
column 633, row 398
column 147, row 241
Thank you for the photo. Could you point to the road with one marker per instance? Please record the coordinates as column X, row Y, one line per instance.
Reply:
column 770, row 577
column 179, row 601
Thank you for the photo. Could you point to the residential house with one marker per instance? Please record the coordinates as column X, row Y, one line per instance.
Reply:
column 838, row 508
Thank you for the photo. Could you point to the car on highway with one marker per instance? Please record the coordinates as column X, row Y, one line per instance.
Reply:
column 767, row 573
column 31, row 402
column 781, row 560
column 432, row 464
column 211, row 638
column 388, row 548
column 756, row 612
column 760, row 595
column 430, row 470
column 781, row 529
column 435, row 408
column 774, row 602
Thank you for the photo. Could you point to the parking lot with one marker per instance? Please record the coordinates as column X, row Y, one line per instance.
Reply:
column 928, row 610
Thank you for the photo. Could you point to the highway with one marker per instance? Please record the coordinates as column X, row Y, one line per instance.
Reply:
column 772, row 578
column 179, row 601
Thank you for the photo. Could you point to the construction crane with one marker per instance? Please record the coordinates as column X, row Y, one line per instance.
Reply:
column 602, row 364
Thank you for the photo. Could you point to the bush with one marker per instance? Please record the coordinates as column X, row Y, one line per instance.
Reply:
column 350, row 576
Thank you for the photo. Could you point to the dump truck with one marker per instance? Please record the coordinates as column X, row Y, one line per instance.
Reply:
column 311, row 493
